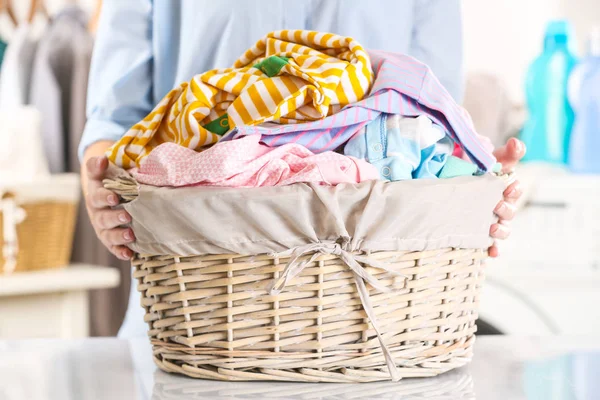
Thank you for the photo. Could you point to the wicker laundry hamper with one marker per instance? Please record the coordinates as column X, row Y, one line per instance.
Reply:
column 322, row 311
column 39, row 232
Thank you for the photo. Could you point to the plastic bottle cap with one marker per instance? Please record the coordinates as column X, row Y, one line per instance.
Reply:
column 558, row 27
column 595, row 42
column 558, row 32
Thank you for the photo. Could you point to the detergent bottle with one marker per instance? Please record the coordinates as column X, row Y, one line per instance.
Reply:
column 584, row 96
column 546, row 132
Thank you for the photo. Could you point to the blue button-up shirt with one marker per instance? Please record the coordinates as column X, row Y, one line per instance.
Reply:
column 145, row 48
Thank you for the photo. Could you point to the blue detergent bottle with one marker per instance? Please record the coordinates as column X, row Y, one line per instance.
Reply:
column 584, row 95
column 546, row 132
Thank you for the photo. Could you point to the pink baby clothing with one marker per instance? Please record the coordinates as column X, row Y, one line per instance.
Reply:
column 245, row 162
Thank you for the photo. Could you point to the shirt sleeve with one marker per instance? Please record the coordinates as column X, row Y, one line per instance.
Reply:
column 120, row 83
column 437, row 41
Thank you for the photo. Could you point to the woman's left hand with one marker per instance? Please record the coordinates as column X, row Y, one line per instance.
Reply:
column 509, row 155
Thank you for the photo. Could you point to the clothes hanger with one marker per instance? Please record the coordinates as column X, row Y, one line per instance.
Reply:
column 93, row 23
column 37, row 6
column 6, row 6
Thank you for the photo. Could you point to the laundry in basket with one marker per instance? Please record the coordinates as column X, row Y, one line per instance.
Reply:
column 258, row 266
column 306, row 282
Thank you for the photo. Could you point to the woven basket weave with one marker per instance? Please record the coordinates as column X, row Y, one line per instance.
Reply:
column 45, row 236
column 317, row 313
column 42, row 237
column 213, row 317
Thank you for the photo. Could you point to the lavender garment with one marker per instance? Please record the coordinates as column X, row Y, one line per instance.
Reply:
column 402, row 86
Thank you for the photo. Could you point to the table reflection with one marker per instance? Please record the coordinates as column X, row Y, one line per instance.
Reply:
column 572, row 376
column 456, row 384
column 504, row 368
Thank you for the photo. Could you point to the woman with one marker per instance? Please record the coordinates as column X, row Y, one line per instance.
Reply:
column 145, row 48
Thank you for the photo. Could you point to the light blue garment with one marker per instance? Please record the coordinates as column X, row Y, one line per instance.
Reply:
column 402, row 147
column 144, row 48
column 455, row 167
column 133, row 324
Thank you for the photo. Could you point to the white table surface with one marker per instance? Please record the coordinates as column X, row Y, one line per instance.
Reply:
column 73, row 277
column 504, row 368
column 52, row 302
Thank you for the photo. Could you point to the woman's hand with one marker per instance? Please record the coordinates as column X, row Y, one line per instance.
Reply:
column 98, row 200
column 509, row 155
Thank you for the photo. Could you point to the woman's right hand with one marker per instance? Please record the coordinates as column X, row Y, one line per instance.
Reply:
column 106, row 221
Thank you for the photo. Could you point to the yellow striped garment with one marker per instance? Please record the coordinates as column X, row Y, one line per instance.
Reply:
column 288, row 76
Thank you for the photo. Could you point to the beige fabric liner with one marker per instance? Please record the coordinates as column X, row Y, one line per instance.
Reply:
column 413, row 215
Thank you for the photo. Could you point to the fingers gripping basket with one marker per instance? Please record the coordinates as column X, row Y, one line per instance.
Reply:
column 353, row 283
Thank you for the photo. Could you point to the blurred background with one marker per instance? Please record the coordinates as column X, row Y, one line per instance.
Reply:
column 532, row 70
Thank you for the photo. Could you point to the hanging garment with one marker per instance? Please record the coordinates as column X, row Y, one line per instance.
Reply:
column 3, row 46
column 77, row 104
column 402, row 86
column 63, row 57
column 59, row 90
column 283, row 78
column 247, row 163
column 402, row 147
column 15, row 74
column 22, row 157
column 45, row 95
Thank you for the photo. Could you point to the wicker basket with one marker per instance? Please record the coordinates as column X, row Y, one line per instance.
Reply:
column 45, row 236
column 315, row 314
column 213, row 317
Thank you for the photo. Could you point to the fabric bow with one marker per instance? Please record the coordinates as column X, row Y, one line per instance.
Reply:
column 295, row 266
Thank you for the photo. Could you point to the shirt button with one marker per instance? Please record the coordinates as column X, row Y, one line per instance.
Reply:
column 377, row 147
column 386, row 171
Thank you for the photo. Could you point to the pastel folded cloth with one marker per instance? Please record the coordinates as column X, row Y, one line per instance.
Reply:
column 456, row 166
column 403, row 86
column 402, row 147
column 287, row 77
column 248, row 163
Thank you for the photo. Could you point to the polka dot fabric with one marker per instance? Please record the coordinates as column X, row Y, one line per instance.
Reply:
column 246, row 162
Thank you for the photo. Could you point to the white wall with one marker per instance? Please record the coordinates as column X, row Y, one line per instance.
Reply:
column 504, row 36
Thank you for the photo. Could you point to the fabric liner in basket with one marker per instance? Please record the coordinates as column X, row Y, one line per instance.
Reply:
column 351, row 283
